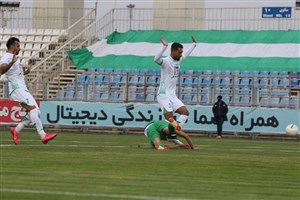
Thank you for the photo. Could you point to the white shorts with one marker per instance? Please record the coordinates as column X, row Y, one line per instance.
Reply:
column 169, row 103
column 23, row 97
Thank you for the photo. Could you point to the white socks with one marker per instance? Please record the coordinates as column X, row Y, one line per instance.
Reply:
column 182, row 119
column 23, row 123
column 35, row 119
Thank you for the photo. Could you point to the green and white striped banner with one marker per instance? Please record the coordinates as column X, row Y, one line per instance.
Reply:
column 216, row 50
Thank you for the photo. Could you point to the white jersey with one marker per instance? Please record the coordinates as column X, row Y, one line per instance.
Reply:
column 169, row 71
column 15, row 75
column 169, row 76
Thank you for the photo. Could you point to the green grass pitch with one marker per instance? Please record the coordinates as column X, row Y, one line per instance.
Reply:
column 101, row 166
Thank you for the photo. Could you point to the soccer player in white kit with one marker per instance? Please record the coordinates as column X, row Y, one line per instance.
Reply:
column 12, row 68
column 166, row 95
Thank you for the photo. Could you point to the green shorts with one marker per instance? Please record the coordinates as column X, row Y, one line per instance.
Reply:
column 152, row 133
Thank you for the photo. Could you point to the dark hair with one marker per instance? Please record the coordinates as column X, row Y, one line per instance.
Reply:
column 11, row 41
column 175, row 46
column 219, row 97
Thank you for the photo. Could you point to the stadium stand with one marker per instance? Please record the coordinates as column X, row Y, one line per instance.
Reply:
column 96, row 83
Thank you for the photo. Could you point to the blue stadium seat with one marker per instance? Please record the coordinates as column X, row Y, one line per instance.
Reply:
column 189, row 72
column 225, row 81
column 103, row 96
column 115, row 79
column 70, row 87
column 98, row 79
column 236, row 99
column 226, row 72
column 187, row 98
column 264, row 82
column 274, row 101
column 113, row 96
column 217, row 80
column 186, row 90
column 203, row 90
column 117, row 71
column 284, row 82
column 283, row 74
column 108, row 71
column 134, row 79
column 150, row 89
column 254, row 73
column 204, row 99
column 79, row 95
column 188, row 81
column 263, row 91
column 236, row 73
column 139, row 97
column 80, row 79
column 69, row 95
column 294, row 74
column 245, row 82
column 90, row 71
column 134, row 71
column 150, row 97
column 295, row 83
column 279, row 92
column 151, row 80
column 60, row 95
column 264, row 101
column 217, row 72
column 207, row 72
column 206, row 81
column 294, row 101
column 245, row 90
column 285, row 102
column 263, row 74
column 273, row 73
column 90, row 79
column 274, row 82
column 245, row 73
column 245, row 100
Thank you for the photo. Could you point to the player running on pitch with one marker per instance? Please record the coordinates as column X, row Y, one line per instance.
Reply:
column 166, row 95
column 12, row 68
column 160, row 129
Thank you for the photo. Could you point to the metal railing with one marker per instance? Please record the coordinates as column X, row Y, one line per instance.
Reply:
column 52, row 60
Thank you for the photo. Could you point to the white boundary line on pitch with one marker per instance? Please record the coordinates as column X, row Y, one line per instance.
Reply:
column 43, row 145
column 84, row 194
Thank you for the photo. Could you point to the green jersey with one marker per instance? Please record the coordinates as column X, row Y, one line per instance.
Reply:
column 155, row 129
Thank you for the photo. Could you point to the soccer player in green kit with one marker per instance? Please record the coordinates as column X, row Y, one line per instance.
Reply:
column 158, row 130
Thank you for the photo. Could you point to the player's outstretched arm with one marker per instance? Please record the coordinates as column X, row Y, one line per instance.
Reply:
column 158, row 58
column 187, row 138
column 188, row 52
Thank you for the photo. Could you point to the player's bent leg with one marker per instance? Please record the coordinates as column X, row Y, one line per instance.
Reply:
column 184, row 113
column 15, row 131
column 35, row 118
column 158, row 145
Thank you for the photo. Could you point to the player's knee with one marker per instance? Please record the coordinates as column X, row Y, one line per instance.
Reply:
column 34, row 114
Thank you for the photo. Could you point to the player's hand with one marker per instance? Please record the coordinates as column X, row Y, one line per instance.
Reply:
column 14, row 59
column 29, row 67
column 163, row 41
column 193, row 39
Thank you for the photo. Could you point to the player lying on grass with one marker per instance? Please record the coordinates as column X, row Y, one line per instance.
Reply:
column 158, row 130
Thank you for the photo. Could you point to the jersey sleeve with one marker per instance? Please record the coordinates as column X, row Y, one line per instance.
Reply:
column 186, row 54
column 158, row 58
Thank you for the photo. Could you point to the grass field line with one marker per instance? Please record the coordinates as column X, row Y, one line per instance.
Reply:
column 85, row 194
column 40, row 145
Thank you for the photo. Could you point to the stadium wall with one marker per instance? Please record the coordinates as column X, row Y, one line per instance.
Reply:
column 138, row 115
